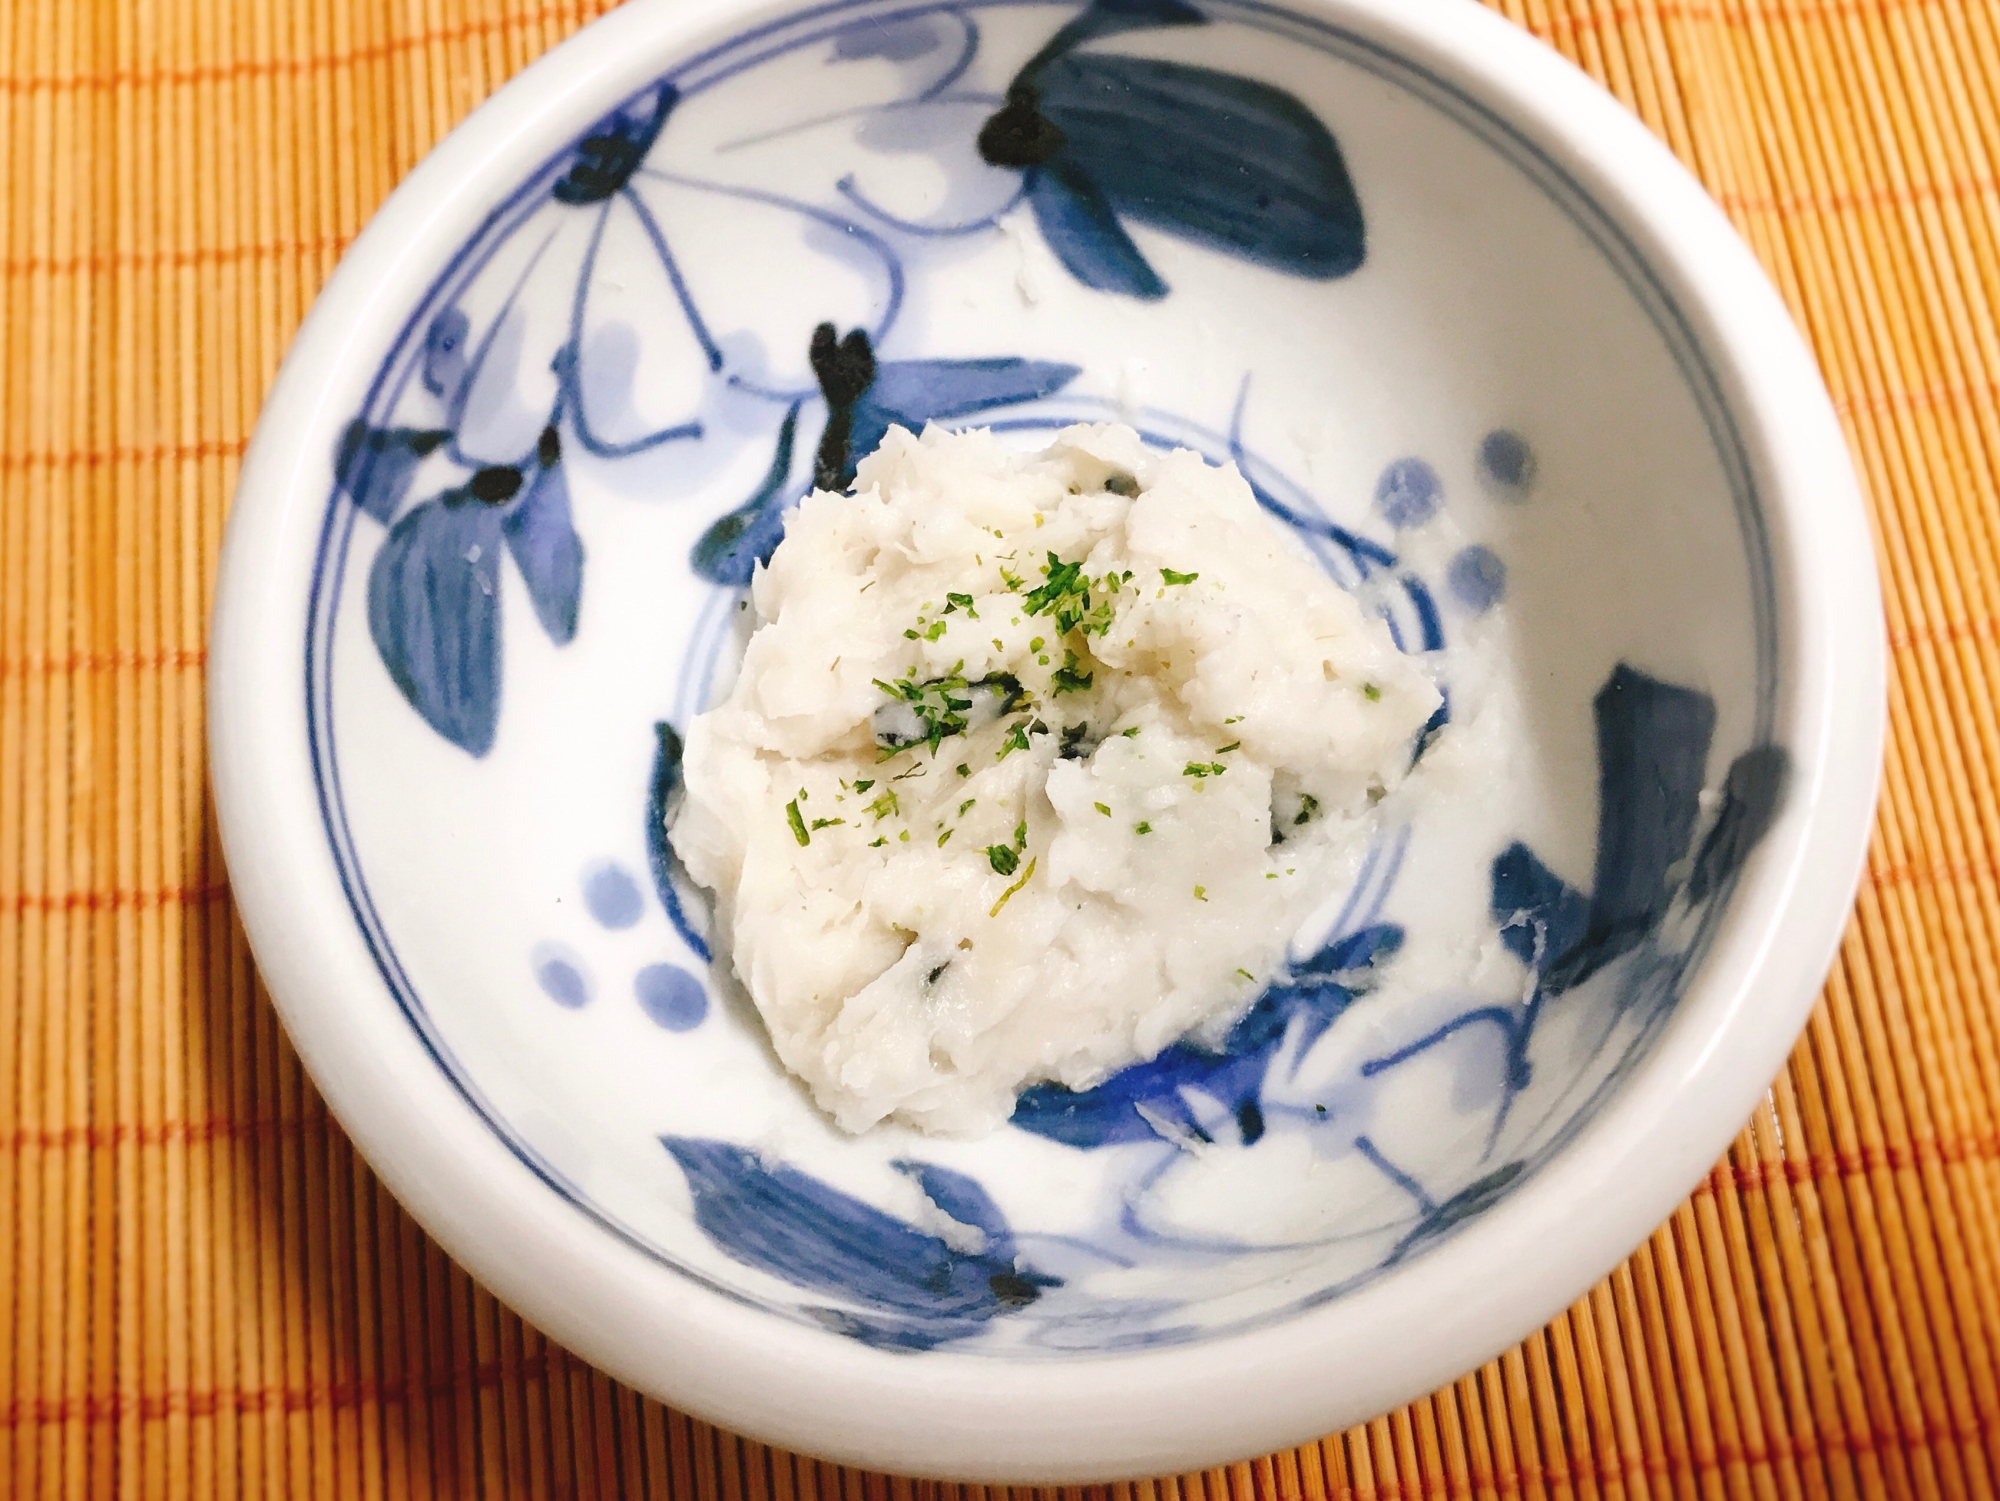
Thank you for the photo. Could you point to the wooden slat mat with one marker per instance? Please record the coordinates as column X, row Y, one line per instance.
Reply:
column 203, row 1292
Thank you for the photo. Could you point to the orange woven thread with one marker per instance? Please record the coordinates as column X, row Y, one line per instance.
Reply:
column 1573, row 27
column 1818, row 1321
column 296, row 67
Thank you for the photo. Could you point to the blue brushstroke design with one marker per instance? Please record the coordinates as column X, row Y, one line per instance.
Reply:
column 1312, row 995
column 735, row 543
column 1751, row 796
column 912, row 393
column 1109, row 18
column 661, row 861
column 434, row 611
column 373, row 466
column 1225, row 161
column 1652, row 754
column 1083, row 230
column 1541, row 917
column 548, row 552
column 445, row 355
column 915, row 1291
column 605, row 159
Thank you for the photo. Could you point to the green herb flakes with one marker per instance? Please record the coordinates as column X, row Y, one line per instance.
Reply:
column 1178, row 578
column 1003, row 860
column 797, row 822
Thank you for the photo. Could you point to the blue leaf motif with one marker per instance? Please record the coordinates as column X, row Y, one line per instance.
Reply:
column 734, row 544
column 1652, row 754
column 1750, row 797
column 660, row 858
column 1140, row 1102
column 548, row 552
column 917, row 1291
column 1225, row 161
column 911, row 393
column 1541, row 917
column 433, row 609
column 374, row 465
column 1077, row 221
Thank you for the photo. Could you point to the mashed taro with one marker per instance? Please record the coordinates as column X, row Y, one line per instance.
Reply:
column 1035, row 764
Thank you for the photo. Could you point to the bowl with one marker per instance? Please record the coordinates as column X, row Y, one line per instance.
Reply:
column 1467, row 330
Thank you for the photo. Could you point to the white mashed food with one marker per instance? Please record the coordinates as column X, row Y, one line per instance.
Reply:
column 1035, row 764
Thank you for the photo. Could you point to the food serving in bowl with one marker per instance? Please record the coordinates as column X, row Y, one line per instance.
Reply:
column 1282, row 354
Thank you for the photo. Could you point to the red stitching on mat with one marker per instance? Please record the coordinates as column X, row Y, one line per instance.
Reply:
column 95, row 458
column 115, row 1407
column 127, row 1134
column 104, row 661
column 175, row 260
column 49, row 903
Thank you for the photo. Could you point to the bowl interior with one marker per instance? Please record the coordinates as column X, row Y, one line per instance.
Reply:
column 1430, row 352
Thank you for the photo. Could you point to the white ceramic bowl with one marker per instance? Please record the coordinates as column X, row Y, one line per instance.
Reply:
column 1468, row 329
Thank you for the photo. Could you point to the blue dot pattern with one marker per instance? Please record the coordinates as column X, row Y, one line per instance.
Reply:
column 1408, row 493
column 671, row 997
column 1506, row 460
column 563, row 982
column 1478, row 579
column 612, row 896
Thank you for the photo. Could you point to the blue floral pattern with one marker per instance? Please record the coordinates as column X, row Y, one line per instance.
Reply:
column 1095, row 139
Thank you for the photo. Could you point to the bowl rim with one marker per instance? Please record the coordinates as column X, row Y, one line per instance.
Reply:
column 1096, row 1417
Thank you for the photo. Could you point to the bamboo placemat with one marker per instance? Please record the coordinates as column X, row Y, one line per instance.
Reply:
column 203, row 1291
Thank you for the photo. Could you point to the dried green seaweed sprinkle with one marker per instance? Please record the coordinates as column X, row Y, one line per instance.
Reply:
column 1372, row 693
column 1131, row 733
column 1102, row 808
column 827, row 823
column 1066, row 597
column 1198, row 769
column 1003, row 859
column 1142, row 828
column 945, row 836
column 1068, row 678
column 797, row 822
column 1021, row 835
column 1201, row 893
column 1223, row 750
column 1178, row 578
column 886, row 805
column 1009, row 892
column 1308, row 805
column 938, row 703
column 960, row 602
column 966, row 804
